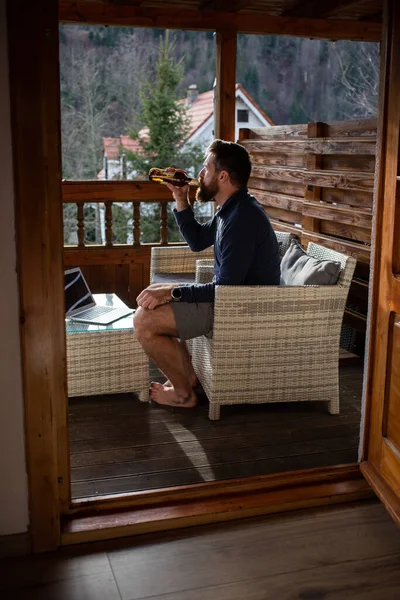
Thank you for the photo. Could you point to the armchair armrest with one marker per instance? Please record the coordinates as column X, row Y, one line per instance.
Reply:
column 204, row 270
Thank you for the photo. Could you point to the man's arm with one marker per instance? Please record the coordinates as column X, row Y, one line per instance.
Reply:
column 198, row 236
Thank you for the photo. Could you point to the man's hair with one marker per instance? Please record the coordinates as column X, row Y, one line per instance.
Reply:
column 232, row 158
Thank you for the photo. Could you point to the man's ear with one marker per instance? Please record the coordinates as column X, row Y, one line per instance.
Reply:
column 223, row 176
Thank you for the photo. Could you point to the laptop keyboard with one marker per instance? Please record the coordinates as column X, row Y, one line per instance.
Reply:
column 94, row 312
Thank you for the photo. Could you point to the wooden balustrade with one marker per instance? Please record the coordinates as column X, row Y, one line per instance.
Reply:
column 122, row 268
column 109, row 193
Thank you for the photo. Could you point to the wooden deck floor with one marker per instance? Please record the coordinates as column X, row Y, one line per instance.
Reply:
column 120, row 445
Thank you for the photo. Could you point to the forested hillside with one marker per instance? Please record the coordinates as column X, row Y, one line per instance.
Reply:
column 294, row 80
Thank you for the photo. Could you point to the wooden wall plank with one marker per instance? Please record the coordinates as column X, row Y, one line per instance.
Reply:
column 281, row 201
column 279, row 187
column 339, row 214
column 334, row 179
column 347, row 146
column 342, row 230
column 275, row 132
column 349, row 197
column 338, row 162
column 284, row 160
column 360, row 127
column 283, row 215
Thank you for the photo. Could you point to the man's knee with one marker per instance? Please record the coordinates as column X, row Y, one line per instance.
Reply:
column 153, row 322
column 142, row 322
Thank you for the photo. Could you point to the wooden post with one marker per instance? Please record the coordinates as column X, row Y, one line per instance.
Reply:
column 312, row 193
column 136, row 223
column 225, row 105
column 80, row 221
column 35, row 114
column 109, row 224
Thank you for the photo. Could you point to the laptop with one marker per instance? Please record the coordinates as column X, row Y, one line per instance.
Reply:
column 81, row 306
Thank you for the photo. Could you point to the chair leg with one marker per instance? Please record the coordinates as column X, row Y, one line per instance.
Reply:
column 214, row 412
column 333, row 405
column 144, row 395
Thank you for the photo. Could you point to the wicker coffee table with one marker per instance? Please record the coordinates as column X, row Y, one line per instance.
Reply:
column 105, row 359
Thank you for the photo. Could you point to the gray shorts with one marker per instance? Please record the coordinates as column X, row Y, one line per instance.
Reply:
column 193, row 320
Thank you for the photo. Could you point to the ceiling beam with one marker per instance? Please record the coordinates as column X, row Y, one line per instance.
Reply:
column 316, row 8
column 374, row 18
column 99, row 13
column 230, row 6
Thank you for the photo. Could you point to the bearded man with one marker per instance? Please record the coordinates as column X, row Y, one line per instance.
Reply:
column 246, row 252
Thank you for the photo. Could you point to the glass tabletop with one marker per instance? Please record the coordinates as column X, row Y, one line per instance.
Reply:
column 102, row 300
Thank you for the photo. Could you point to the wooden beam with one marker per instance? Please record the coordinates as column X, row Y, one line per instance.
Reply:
column 230, row 6
column 35, row 113
column 99, row 13
column 225, row 91
column 316, row 8
column 376, row 17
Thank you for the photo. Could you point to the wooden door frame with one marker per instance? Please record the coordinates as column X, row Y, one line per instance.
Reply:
column 382, row 278
column 35, row 105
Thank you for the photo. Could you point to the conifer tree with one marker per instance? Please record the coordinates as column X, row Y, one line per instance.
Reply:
column 164, row 118
column 161, row 141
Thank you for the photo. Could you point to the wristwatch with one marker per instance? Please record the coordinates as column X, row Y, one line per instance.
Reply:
column 176, row 294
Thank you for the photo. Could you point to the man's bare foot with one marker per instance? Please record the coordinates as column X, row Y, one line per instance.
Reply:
column 194, row 382
column 167, row 396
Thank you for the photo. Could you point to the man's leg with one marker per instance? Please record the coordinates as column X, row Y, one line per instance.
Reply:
column 156, row 331
column 187, row 361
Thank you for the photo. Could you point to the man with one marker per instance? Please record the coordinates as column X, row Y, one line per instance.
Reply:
column 246, row 253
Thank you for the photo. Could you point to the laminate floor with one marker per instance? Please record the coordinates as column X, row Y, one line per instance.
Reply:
column 344, row 552
column 118, row 444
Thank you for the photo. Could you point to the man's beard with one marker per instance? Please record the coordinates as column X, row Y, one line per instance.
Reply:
column 207, row 193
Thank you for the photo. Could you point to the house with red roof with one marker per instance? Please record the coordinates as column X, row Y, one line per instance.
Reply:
column 200, row 110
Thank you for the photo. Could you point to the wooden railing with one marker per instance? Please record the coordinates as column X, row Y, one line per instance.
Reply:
column 123, row 268
column 316, row 181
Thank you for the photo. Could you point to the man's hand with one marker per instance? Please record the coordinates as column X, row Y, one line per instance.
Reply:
column 155, row 295
column 179, row 194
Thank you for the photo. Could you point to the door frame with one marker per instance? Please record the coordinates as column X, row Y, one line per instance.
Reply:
column 35, row 104
column 382, row 278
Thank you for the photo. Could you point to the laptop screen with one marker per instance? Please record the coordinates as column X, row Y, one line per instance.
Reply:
column 77, row 293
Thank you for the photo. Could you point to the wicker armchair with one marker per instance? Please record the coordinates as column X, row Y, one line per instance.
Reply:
column 274, row 343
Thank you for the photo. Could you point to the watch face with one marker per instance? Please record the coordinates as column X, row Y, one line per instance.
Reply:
column 176, row 294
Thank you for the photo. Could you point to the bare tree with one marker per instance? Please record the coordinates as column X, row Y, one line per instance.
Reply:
column 358, row 78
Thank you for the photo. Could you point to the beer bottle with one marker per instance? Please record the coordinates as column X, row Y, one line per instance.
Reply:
column 174, row 176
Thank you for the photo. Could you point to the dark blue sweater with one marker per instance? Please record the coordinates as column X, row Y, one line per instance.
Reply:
column 246, row 250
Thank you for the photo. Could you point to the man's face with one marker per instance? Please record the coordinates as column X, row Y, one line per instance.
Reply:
column 208, row 177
